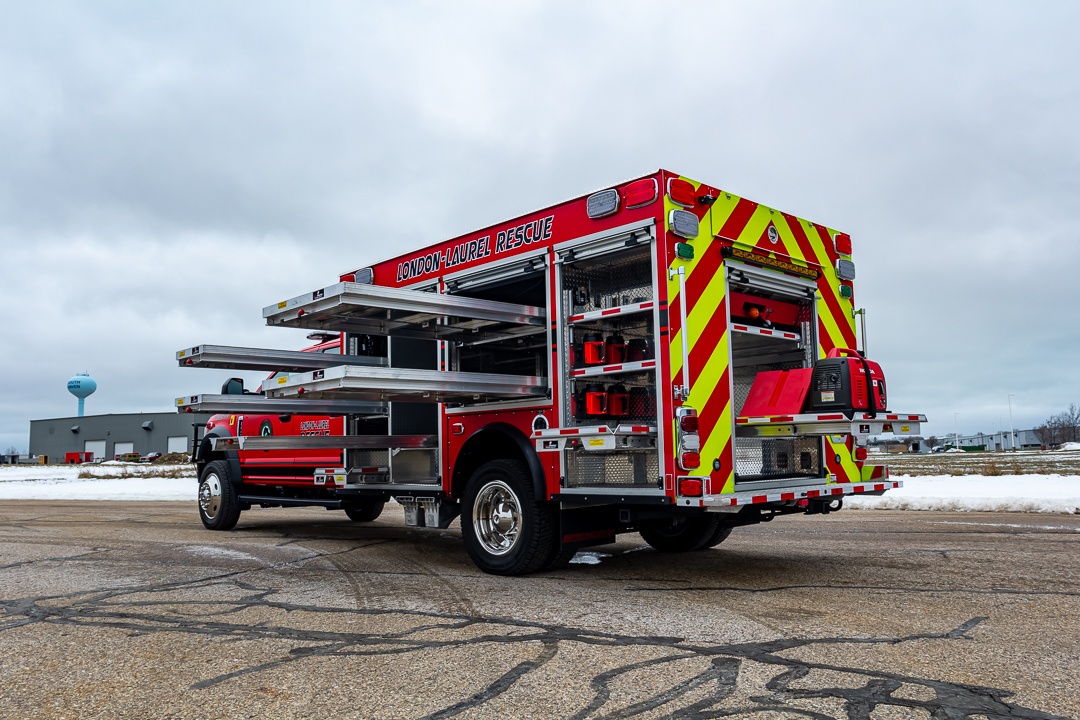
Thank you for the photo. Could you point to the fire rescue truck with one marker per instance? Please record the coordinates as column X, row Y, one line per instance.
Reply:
column 661, row 357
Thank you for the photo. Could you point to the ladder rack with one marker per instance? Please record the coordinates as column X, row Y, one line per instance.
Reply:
column 240, row 358
column 262, row 405
column 359, row 308
column 405, row 384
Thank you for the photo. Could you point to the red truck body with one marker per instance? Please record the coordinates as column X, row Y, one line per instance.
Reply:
column 660, row 356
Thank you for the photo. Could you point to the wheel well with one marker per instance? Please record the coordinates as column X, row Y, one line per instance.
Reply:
column 206, row 454
column 496, row 442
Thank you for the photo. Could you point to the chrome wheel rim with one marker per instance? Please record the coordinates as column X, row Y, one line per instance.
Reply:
column 210, row 496
column 497, row 517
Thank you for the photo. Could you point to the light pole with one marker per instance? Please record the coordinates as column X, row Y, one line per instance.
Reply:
column 956, row 426
column 1012, row 426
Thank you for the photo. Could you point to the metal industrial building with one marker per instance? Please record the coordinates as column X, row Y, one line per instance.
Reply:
column 109, row 435
column 1002, row 440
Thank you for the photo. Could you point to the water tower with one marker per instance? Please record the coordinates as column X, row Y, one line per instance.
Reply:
column 82, row 386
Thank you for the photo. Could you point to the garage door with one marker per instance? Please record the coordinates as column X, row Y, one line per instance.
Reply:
column 178, row 444
column 97, row 447
column 123, row 447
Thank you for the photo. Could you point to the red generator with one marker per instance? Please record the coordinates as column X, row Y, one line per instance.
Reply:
column 840, row 382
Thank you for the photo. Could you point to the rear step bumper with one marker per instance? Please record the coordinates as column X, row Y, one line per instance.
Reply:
column 804, row 492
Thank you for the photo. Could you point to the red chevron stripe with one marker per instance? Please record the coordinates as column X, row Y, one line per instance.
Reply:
column 827, row 241
column 847, row 332
column 801, row 239
column 717, row 477
column 827, row 291
column 709, row 413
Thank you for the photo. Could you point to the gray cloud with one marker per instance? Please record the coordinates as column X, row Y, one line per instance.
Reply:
column 166, row 171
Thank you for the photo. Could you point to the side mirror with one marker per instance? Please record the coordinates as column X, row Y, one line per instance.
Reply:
column 233, row 386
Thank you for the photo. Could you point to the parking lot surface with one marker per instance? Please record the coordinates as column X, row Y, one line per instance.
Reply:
column 131, row 610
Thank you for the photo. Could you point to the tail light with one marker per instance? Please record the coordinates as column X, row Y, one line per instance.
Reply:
column 690, row 487
column 688, row 439
column 860, row 454
column 640, row 193
column 842, row 241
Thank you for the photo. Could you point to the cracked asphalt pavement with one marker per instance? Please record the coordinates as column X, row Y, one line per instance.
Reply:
column 133, row 610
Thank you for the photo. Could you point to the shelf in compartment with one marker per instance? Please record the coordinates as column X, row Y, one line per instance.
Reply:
column 593, row 438
column 606, row 429
column 615, row 369
column 766, row 332
column 609, row 313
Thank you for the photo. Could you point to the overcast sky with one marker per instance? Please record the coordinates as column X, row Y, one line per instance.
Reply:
column 168, row 169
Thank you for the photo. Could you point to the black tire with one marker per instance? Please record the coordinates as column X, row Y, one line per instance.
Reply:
column 364, row 510
column 219, row 506
column 507, row 529
column 681, row 533
column 721, row 534
column 562, row 557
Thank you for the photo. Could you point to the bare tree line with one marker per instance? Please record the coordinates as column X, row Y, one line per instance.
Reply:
column 1061, row 428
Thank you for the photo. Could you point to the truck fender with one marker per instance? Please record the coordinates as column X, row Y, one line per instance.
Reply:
column 499, row 440
column 206, row 453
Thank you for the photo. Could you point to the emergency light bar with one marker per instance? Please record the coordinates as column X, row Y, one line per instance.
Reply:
column 603, row 203
column 684, row 223
column 681, row 192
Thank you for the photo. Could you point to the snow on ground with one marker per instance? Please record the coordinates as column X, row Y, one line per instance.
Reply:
column 62, row 482
column 1001, row 493
column 1046, row 493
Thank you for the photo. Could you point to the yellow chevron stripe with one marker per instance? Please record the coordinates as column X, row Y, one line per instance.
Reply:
column 847, row 470
column 711, row 376
column 832, row 328
column 701, row 245
column 707, row 305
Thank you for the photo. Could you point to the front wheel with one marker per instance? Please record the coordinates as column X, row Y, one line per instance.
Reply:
column 681, row 533
column 219, row 506
column 507, row 529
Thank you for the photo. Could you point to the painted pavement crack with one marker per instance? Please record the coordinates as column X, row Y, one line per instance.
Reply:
column 698, row 692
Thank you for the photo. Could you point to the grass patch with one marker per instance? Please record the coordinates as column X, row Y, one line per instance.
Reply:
column 150, row 472
column 1024, row 462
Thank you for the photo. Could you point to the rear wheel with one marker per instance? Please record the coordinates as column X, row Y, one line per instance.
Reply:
column 680, row 533
column 219, row 506
column 721, row 534
column 364, row 510
column 507, row 529
column 562, row 557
